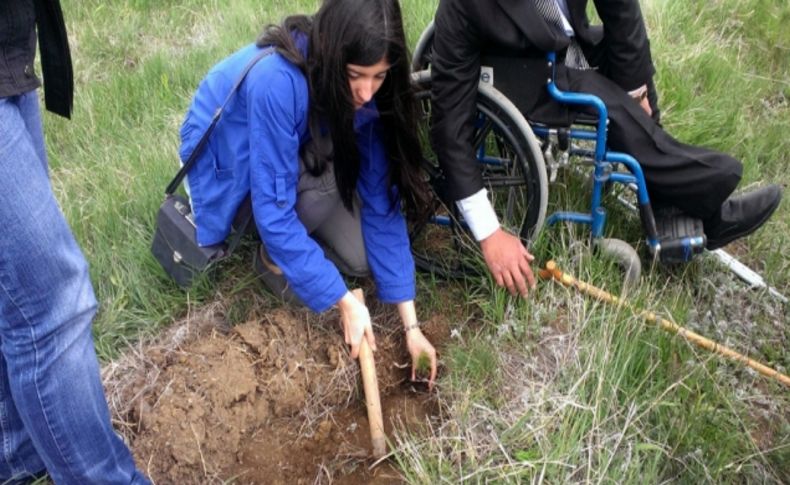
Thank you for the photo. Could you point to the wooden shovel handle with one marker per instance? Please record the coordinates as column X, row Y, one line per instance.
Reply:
column 370, row 384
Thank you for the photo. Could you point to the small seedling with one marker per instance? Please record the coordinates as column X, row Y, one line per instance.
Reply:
column 423, row 364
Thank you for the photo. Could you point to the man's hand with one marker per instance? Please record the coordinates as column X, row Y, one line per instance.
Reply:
column 640, row 95
column 508, row 260
column 645, row 104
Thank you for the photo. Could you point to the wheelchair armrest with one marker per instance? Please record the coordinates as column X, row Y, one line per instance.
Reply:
column 580, row 99
column 586, row 120
column 570, row 97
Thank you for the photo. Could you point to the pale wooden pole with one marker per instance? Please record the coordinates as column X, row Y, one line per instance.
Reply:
column 552, row 271
column 370, row 384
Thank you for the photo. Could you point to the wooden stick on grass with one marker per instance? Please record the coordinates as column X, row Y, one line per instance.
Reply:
column 552, row 271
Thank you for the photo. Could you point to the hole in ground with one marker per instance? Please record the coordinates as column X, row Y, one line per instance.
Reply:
column 273, row 400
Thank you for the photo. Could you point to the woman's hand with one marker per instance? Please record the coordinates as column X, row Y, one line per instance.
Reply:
column 416, row 343
column 418, row 346
column 355, row 319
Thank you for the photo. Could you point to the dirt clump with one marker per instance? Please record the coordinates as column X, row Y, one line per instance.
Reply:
column 274, row 400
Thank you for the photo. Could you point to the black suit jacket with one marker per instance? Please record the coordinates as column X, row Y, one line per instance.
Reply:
column 470, row 30
column 19, row 21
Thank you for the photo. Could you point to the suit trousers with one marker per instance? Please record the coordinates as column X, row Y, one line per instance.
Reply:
column 693, row 179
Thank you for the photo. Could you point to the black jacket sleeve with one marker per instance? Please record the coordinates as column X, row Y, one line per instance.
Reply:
column 628, row 60
column 455, row 72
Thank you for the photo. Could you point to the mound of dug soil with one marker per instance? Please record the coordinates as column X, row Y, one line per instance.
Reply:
column 275, row 400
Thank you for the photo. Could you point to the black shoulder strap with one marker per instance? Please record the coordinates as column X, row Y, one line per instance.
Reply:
column 171, row 188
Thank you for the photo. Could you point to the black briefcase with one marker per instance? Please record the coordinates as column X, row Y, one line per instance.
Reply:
column 175, row 245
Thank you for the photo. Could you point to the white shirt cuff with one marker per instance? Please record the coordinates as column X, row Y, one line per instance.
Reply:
column 478, row 214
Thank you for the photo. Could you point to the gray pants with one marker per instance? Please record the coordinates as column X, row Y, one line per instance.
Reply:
column 337, row 231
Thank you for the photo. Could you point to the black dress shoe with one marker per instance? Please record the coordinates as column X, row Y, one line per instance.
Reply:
column 742, row 215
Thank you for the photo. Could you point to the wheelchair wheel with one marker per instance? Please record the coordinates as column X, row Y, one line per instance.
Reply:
column 421, row 58
column 514, row 175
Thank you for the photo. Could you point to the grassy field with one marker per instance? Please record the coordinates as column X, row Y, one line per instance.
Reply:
column 555, row 387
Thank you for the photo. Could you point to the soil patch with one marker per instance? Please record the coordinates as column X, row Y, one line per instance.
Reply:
column 274, row 400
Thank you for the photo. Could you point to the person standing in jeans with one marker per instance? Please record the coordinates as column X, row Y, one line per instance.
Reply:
column 53, row 414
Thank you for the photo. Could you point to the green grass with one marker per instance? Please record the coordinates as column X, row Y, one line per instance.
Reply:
column 555, row 387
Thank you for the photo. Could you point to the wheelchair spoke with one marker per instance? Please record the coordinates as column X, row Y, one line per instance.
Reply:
column 508, row 166
column 496, row 181
column 482, row 133
column 504, row 178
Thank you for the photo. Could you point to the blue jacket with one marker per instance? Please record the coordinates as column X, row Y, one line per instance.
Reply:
column 255, row 148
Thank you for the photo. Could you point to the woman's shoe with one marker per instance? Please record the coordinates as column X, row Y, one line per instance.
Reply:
column 273, row 277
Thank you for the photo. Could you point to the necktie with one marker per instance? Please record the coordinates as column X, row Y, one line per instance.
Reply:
column 574, row 57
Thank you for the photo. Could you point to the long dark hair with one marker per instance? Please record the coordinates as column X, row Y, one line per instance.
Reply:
column 360, row 32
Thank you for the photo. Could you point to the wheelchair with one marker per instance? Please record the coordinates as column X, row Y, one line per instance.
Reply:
column 518, row 160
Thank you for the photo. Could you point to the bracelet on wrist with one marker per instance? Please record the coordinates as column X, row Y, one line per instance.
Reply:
column 414, row 325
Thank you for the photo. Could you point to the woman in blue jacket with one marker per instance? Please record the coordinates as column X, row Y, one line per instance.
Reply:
column 321, row 135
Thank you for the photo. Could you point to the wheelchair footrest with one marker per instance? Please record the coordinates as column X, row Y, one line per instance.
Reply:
column 681, row 236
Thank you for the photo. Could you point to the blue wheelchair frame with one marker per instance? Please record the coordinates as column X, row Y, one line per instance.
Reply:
column 603, row 161
column 605, row 173
column 605, row 164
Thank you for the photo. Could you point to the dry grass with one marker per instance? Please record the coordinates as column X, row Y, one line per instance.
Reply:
column 139, row 370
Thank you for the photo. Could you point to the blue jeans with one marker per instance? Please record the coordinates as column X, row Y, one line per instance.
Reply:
column 53, row 413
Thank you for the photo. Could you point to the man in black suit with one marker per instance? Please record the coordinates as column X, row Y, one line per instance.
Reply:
column 613, row 63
